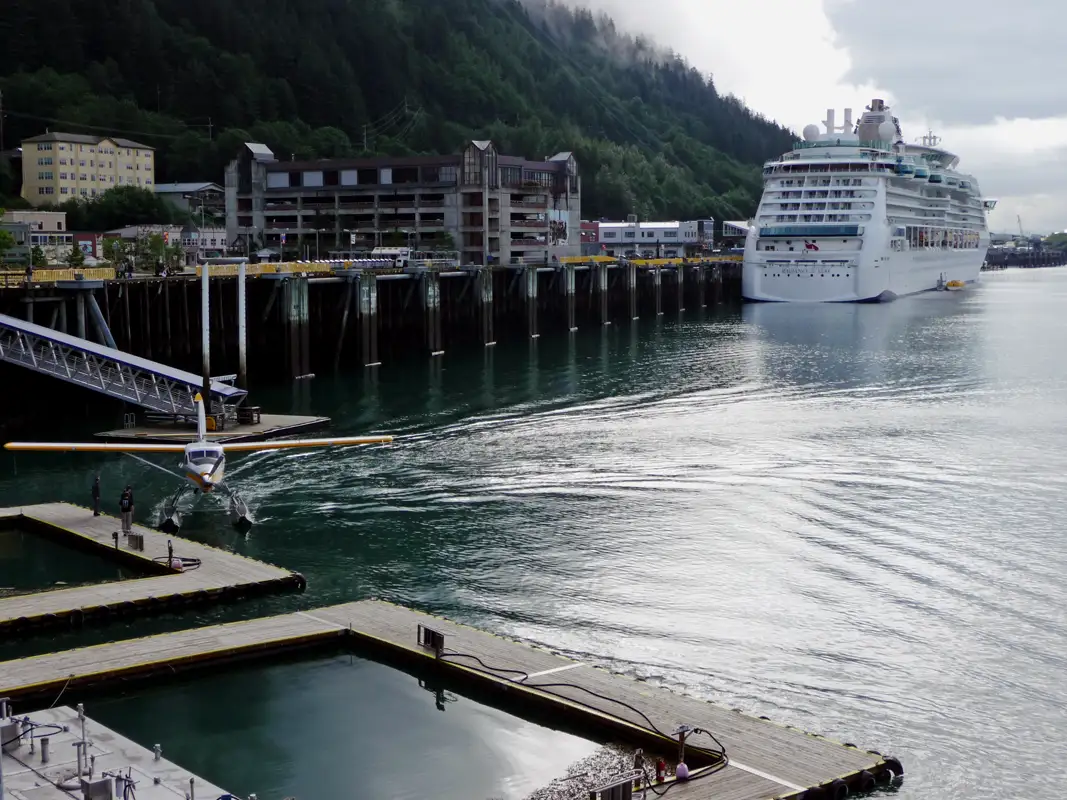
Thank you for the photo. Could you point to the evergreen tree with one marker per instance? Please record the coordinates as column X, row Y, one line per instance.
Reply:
column 196, row 78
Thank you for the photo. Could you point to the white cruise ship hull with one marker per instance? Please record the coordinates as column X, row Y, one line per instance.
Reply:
column 829, row 280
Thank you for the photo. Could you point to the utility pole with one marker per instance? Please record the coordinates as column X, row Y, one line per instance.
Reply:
column 364, row 138
column 209, row 127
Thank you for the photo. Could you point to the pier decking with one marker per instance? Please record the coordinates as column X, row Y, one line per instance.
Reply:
column 28, row 776
column 766, row 760
column 221, row 575
column 269, row 426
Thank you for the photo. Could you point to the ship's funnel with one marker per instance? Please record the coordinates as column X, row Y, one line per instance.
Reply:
column 848, row 120
column 829, row 123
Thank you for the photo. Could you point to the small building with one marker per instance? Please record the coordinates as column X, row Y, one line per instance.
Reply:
column 590, row 238
column 197, row 198
column 44, row 229
column 42, row 221
column 734, row 233
column 656, row 239
column 91, row 244
column 131, row 233
column 59, row 166
column 200, row 244
column 490, row 207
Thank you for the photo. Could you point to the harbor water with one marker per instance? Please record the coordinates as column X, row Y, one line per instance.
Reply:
column 847, row 518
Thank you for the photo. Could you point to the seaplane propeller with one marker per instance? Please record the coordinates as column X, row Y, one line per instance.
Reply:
column 203, row 463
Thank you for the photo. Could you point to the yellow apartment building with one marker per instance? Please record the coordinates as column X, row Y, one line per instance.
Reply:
column 61, row 166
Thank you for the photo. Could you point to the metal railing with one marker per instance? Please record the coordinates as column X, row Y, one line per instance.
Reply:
column 134, row 381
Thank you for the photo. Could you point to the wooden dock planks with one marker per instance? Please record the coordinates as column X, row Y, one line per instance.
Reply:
column 766, row 760
column 270, row 426
column 221, row 573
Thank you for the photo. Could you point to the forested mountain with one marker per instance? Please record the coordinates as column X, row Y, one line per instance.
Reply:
column 195, row 78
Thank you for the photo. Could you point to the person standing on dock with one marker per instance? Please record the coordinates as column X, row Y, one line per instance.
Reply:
column 96, row 496
column 126, row 510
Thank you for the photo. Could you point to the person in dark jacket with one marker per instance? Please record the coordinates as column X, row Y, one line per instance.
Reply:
column 126, row 509
column 96, row 497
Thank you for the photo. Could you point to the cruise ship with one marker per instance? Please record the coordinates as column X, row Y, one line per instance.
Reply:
column 857, row 214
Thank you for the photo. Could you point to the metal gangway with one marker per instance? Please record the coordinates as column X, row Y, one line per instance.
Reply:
column 135, row 380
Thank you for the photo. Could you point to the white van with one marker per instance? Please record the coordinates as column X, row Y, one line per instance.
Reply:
column 401, row 256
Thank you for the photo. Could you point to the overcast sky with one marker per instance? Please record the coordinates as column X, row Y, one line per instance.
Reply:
column 986, row 75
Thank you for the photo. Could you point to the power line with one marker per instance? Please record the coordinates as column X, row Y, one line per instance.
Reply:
column 73, row 124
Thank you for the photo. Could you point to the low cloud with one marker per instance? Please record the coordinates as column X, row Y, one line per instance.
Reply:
column 985, row 77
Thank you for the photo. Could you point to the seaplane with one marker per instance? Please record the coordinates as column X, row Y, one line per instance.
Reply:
column 203, row 465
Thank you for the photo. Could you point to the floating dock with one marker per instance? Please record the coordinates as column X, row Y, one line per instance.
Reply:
column 207, row 575
column 33, row 770
column 765, row 760
column 269, row 426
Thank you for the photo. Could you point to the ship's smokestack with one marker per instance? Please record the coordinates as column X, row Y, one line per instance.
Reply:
column 848, row 120
column 829, row 123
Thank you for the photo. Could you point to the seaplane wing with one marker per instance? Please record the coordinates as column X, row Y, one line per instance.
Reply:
column 95, row 447
column 292, row 444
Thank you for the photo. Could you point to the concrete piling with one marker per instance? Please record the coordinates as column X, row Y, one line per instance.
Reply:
column 312, row 322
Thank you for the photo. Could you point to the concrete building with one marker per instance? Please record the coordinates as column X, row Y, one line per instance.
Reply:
column 44, row 229
column 490, row 207
column 734, row 233
column 590, row 234
column 59, row 166
column 196, row 198
column 656, row 239
column 202, row 243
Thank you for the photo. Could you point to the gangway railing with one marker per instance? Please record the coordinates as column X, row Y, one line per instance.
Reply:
column 140, row 381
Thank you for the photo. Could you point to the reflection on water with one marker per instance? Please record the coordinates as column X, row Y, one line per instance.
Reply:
column 342, row 727
column 848, row 518
column 32, row 562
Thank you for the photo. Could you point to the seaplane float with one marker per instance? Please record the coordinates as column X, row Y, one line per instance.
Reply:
column 203, row 464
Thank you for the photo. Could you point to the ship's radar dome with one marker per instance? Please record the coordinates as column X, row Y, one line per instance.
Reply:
column 887, row 131
column 811, row 133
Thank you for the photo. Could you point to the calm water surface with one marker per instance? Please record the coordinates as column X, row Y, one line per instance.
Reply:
column 848, row 518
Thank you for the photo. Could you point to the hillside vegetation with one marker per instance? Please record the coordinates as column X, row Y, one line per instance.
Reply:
column 195, row 78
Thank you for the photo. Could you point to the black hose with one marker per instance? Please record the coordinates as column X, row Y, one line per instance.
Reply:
column 719, row 754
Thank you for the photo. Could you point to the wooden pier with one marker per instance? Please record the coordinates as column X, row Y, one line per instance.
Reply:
column 35, row 771
column 269, row 426
column 315, row 319
column 208, row 574
column 765, row 760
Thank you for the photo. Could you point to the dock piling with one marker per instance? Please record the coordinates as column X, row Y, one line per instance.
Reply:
column 528, row 287
column 631, row 289
column 568, row 296
column 484, row 286
column 242, row 328
column 368, row 318
column 99, row 322
column 602, row 285
column 205, row 332
column 431, row 305
column 657, row 289
column 679, row 277
column 350, row 288
column 80, row 309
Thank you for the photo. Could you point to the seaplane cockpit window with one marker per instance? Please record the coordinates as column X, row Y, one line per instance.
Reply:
column 199, row 456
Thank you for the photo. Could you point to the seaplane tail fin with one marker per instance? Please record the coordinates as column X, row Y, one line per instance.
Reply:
column 94, row 447
column 293, row 444
column 201, row 418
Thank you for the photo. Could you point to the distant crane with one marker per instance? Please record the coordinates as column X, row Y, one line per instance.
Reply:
column 1019, row 219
